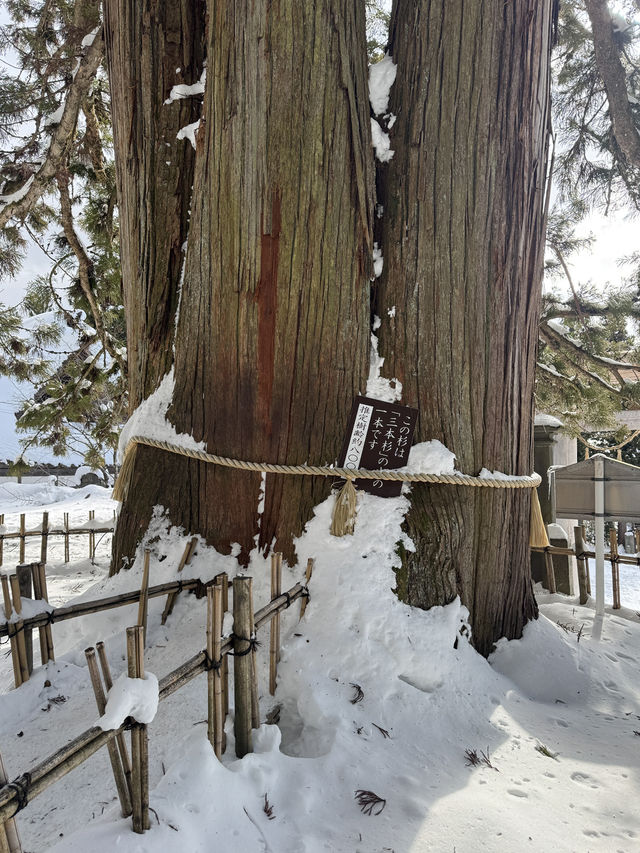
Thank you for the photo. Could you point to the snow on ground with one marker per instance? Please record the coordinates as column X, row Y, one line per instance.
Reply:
column 556, row 715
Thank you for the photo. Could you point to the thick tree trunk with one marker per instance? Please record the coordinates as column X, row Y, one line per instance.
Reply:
column 462, row 237
column 272, row 340
column 152, row 45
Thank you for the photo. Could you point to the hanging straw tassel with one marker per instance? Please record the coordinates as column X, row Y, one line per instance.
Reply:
column 537, row 531
column 121, row 486
column 344, row 511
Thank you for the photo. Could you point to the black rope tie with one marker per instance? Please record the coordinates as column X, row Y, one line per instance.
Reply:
column 305, row 592
column 212, row 664
column 254, row 644
column 180, row 587
column 288, row 597
column 50, row 618
column 21, row 787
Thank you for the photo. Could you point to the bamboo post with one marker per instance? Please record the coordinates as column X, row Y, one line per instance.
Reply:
column 242, row 668
column 8, row 829
column 120, row 739
column 1, row 539
column 22, row 538
column 636, row 537
column 114, row 757
column 274, row 636
column 45, row 594
column 139, row 752
column 255, row 707
column 15, row 656
column 44, row 541
column 551, row 575
column 223, row 579
column 214, row 674
column 581, row 561
column 615, row 568
column 22, row 647
column 92, row 536
column 66, row 537
column 37, row 592
column 307, row 577
column 187, row 554
column 143, row 604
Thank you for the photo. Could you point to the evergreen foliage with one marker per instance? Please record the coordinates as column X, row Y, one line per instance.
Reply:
column 68, row 335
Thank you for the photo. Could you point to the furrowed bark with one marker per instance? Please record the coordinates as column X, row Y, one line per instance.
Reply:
column 462, row 238
column 272, row 339
column 146, row 42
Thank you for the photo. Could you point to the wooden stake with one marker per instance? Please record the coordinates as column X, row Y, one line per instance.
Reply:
column 1, row 539
column 92, row 515
column 143, row 604
column 615, row 568
column 9, row 829
column 45, row 537
column 37, row 592
column 66, row 537
column 15, row 656
column 242, row 668
column 22, row 646
column 187, row 554
column 581, row 561
column 22, row 537
column 274, row 628
column 303, row 601
column 114, row 757
column 120, row 739
column 47, row 628
column 551, row 575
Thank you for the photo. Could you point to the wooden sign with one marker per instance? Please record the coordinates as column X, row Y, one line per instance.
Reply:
column 379, row 435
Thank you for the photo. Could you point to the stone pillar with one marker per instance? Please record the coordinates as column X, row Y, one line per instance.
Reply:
column 547, row 444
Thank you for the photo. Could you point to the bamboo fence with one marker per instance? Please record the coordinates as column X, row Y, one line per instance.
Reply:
column 131, row 776
column 583, row 555
column 45, row 532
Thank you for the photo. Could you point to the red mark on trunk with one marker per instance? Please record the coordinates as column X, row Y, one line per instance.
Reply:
column 267, row 297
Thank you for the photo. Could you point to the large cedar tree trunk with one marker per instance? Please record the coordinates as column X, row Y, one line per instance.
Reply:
column 462, row 237
column 151, row 45
column 272, row 338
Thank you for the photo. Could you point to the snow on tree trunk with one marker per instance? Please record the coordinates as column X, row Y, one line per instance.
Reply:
column 273, row 334
column 462, row 237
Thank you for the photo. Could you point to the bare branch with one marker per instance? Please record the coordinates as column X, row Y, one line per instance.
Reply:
column 61, row 137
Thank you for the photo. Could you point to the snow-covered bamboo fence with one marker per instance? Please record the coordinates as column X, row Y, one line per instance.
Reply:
column 583, row 555
column 131, row 775
column 19, row 629
column 45, row 532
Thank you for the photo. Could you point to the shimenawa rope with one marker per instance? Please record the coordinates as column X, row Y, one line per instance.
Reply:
column 344, row 510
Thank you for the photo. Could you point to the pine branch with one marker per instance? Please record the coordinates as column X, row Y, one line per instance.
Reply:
column 570, row 348
column 85, row 269
column 61, row 137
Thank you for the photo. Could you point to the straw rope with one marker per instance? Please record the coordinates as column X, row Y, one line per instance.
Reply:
column 524, row 482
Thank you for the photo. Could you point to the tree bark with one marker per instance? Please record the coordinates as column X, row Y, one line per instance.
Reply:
column 462, row 237
column 273, row 334
column 152, row 45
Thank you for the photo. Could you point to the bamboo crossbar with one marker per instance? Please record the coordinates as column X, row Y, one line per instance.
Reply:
column 56, row 532
column 71, row 611
column 77, row 751
column 570, row 552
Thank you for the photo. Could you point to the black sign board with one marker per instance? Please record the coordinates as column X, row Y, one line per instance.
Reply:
column 379, row 435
